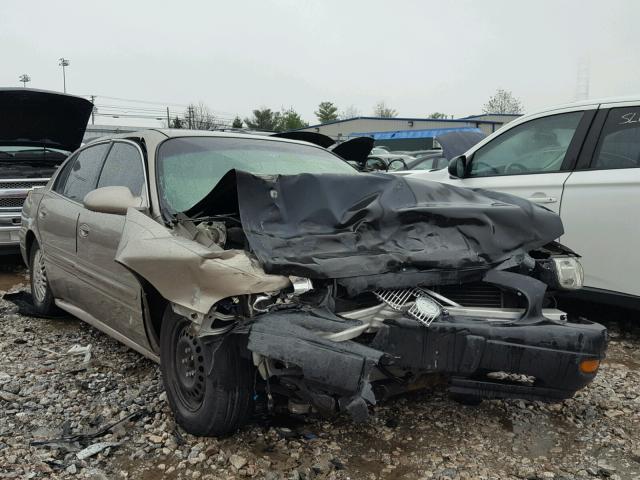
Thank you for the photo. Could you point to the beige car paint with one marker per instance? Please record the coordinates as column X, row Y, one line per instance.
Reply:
column 191, row 276
column 111, row 200
column 187, row 273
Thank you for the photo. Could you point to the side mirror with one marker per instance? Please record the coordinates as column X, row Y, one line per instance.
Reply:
column 458, row 166
column 115, row 200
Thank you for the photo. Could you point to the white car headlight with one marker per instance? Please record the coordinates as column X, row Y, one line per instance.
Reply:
column 569, row 272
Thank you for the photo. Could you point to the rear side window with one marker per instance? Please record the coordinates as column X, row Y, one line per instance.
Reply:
column 427, row 164
column 537, row 146
column 123, row 168
column 82, row 177
column 619, row 144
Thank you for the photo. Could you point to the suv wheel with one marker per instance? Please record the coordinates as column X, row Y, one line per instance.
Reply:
column 208, row 384
column 40, row 291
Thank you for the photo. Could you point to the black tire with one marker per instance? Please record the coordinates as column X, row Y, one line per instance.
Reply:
column 213, row 404
column 43, row 302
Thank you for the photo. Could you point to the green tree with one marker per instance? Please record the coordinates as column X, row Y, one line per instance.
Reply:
column 503, row 102
column 382, row 110
column 263, row 119
column 289, row 120
column 326, row 112
column 438, row 116
column 237, row 123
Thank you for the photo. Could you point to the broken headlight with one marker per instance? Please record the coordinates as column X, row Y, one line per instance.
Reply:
column 569, row 272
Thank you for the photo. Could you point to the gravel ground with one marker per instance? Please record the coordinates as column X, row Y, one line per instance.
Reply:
column 46, row 394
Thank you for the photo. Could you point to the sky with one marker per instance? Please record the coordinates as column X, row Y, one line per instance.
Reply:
column 417, row 56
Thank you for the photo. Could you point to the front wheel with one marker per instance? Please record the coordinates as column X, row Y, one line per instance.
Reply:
column 208, row 381
column 43, row 303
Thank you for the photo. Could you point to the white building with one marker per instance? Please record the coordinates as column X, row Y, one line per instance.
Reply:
column 340, row 129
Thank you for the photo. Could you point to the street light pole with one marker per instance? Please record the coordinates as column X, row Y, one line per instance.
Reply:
column 24, row 78
column 64, row 62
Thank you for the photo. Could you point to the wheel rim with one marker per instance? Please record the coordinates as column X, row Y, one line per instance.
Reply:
column 189, row 368
column 39, row 276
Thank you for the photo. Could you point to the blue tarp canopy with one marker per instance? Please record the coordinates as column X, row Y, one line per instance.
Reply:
column 401, row 134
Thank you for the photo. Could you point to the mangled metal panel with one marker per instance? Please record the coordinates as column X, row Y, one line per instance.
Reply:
column 355, row 226
column 185, row 272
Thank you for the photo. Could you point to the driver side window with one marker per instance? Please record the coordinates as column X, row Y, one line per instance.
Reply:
column 538, row 146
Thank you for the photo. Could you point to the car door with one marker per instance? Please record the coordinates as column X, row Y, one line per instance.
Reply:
column 531, row 160
column 58, row 216
column 113, row 295
column 601, row 202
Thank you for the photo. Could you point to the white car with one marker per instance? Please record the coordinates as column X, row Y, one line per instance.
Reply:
column 582, row 161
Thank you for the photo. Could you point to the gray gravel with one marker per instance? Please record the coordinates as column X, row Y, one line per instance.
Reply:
column 45, row 395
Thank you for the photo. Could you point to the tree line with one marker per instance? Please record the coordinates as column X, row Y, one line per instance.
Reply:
column 200, row 117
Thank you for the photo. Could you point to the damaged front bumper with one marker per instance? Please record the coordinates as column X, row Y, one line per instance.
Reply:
column 334, row 362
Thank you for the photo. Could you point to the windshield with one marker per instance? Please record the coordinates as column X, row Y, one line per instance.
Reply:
column 189, row 168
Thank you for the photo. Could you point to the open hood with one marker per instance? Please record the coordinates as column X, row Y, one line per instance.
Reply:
column 311, row 137
column 355, row 150
column 456, row 143
column 373, row 224
column 42, row 119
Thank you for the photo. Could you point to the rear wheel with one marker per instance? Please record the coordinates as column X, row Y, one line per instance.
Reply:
column 43, row 302
column 208, row 383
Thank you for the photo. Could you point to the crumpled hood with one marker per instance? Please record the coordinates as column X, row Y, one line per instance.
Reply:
column 41, row 118
column 339, row 226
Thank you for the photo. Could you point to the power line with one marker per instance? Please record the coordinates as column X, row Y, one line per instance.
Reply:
column 138, row 101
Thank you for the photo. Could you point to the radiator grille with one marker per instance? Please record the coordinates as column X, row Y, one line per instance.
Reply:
column 473, row 294
column 23, row 184
column 11, row 202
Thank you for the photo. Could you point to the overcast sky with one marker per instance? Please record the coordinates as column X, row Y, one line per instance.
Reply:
column 418, row 56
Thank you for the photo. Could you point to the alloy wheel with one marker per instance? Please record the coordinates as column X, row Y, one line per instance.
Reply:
column 39, row 277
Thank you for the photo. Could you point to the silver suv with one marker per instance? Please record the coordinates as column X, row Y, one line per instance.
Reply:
column 38, row 129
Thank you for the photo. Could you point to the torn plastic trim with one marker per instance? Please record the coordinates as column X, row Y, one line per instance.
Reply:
column 462, row 348
column 337, row 368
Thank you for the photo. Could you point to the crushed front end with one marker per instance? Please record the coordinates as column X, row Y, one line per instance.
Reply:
column 349, row 289
column 334, row 358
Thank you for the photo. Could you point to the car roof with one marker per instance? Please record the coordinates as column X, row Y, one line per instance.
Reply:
column 178, row 133
column 590, row 102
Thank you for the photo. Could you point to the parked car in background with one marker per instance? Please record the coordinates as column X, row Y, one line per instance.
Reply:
column 387, row 160
column 581, row 161
column 38, row 129
column 267, row 269
column 452, row 142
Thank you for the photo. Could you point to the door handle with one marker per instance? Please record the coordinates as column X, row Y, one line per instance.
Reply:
column 83, row 230
column 543, row 199
column 42, row 212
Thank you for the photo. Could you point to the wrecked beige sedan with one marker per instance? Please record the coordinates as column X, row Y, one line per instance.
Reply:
column 268, row 270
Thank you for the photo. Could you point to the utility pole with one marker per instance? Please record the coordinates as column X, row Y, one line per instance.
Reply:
column 64, row 62
column 190, row 110
column 24, row 78
column 582, row 80
column 168, row 119
column 93, row 109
